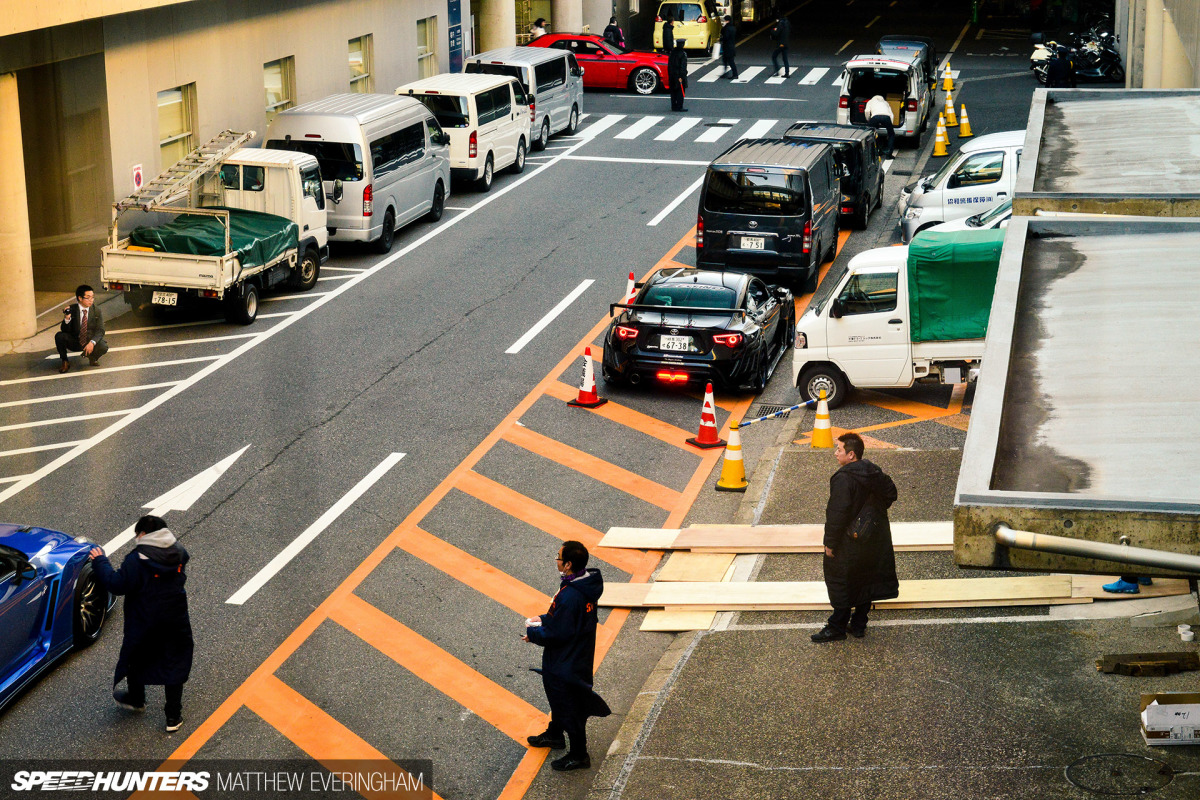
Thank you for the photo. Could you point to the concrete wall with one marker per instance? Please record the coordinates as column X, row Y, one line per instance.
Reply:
column 32, row 15
column 1161, row 43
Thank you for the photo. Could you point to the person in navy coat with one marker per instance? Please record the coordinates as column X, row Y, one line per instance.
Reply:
column 156, row 648
column 567, row 634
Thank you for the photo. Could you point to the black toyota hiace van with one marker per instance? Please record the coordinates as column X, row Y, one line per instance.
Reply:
column 769, row 207
column 859, row 167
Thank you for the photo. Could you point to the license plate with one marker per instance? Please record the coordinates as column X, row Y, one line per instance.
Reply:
column 682, row 343
column 165, row 298
column 753, row 242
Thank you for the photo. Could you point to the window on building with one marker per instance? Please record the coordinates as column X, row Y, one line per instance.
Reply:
column 361, row 63
column 279, row 79
column 176, row 123
column 427, row 60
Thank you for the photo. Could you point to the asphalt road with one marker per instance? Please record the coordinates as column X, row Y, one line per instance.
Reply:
column 405, row 354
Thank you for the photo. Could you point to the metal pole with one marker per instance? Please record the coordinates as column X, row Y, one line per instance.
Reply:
column 1027, row 540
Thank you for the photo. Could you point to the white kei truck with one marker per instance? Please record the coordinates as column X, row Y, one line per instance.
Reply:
column 898, row 315
column 226, row 222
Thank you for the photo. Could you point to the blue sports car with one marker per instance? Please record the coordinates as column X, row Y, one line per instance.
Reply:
column 50, row 602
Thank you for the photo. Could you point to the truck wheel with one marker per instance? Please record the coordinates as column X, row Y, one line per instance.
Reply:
column 484, row 183
column 543, row 136
column 825, row 377
column 139, row 304
column 305, row 275
column 384, row 243
column 242, row 308
column 439, row 203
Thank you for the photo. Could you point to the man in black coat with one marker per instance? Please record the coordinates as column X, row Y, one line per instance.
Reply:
column 157, row 646
column 780, row 34
column 668, row 33
column 567, row 634
column 860, row 565
column 82, row 329
column 677, row 75
column 729, row 48
column 1060, row 72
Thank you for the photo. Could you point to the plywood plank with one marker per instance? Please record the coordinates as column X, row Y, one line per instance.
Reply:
column 1092, row 586
column 804, row 538
column 624, row 595
column 658, row 619
column 640, row 538
column 684, row 566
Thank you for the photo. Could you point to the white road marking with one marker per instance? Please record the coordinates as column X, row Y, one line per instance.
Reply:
column 638, row 128
column 619, row 160
column 167, row 326
column 748, row 74
column 343, row 269
column 313, row 531
column 979, row 35
column 303, row 296
column 815, row 74
column 759, row 129
column 39, row 448
column 954, row 46
column 77, row 395
column 776, row 78
column 172, row 343
column 102, row 370
column 551, row 315
column 692, row 68
column 678, row 129
column 872, row 22
column 843, row 47
column 713, row 134
column 61, row 420
column 887, row 165
column 675, row 203
column 599, row 126
column 12, row 478
column 712, row 76
column 457, row 208
column 334, row 278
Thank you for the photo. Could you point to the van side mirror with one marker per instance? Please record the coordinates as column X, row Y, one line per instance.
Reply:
column 836, row 309
column 337, row 191
column 577, row 72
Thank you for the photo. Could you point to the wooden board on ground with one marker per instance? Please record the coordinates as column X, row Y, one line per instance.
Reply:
column 624, row 595
column 640, row 538
column 807, row 538
column 682, row 566
column 658, row 619
column 1093, row 586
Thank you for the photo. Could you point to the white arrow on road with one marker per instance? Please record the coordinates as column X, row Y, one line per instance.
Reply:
column 181, row 498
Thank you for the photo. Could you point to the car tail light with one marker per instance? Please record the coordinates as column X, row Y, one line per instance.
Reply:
column 672, row 377
column 847, row 209
column 727, row 339
column 116, row 287
column 473, row 146
column 626, row 332
column 844, row 102
column 208, row 293
column 702, row 20
column 911, row 106
column 807, row 246
column 368, row 204
column 699, row 231
column 658, row 19
column 532, row 112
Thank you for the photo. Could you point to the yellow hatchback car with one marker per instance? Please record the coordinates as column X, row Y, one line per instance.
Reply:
column 696, row 22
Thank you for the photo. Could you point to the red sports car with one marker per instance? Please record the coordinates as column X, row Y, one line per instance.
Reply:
column 606, row 66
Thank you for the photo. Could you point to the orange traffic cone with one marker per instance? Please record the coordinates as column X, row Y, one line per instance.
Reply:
column 941, row 139
column 707, row 437
column 587, row 385
column 964, row 125
column 733, row 472
column 630, row 289
column 951, row 120
column 822, row 435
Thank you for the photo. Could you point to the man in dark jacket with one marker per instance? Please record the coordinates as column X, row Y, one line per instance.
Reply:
column 860, row 565
column 82, row 329
column 780, row 34
column 729, row 48
column 1060, row 72
column 613, row 34
column 668, row 31
column 157, row 646
column 677, row 74
column 567, row 634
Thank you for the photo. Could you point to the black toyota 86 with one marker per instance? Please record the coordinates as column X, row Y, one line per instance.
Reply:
column 693, row 325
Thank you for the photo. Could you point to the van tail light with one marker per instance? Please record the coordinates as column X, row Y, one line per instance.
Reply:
column 844, row 102
column 368, row 198
column 699, row 231
column 911, row 105
column 807, row 245
column 727, row 339
column 473, row 146
column 626, row 332
column 532, row 112
column 116, row 287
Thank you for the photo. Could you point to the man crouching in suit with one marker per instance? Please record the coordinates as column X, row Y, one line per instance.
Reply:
column 82, row 329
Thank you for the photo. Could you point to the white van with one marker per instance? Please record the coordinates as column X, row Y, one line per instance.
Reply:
column 979, row 176
column 384, row 160
column 552, row 78
column 900, row 81
column 487, row 117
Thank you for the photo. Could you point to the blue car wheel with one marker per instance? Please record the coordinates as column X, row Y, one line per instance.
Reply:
column 90, row 607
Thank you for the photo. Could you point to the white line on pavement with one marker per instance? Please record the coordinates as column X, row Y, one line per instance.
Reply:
column 675, row 203
column 39, row 448
column 313, row 531
column 60, row 420
column 102, row 370
column 172, row 343
column 167, row 326
column 457, row 208
column 887, row 165
column 954, row 46
column 617, row 160
column 553, row 313
column 843, row 47
column 678, row 129
column 12, row 478
column 759, row 129
column 77, row 395
column 600, row 126
column 748, row 74
column 713, row 134
column 712, row 76
column 776, row 78
column 815, row 74
column 304, row 296
column 692, row 69
column 872, row 22
column 344, row 269
column 638, row 128
column 334, row 278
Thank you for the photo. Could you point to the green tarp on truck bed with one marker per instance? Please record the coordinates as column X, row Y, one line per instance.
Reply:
column 255, row 237
column 951, row 280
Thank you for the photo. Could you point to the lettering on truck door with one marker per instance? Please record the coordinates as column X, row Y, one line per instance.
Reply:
column 870, row 341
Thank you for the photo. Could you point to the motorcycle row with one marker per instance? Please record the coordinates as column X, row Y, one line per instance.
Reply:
column 1091, row 57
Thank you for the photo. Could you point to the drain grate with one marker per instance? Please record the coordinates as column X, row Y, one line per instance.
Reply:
column 763, row 410
column 1119, row 774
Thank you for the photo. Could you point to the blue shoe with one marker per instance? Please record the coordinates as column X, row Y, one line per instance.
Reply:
column 1121, row 586
column 1145, row 581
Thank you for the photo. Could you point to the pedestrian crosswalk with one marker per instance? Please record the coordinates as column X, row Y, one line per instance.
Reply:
column 798, row 77
column 627, row 128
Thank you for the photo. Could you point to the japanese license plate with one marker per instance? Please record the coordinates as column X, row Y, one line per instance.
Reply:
column 683, row 343
column 165, row 298
column 753, row 242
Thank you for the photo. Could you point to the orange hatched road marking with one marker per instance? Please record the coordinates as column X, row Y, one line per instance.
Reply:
column 624, row 415
column 598, row 468
column 316, row 733
column 494, row 704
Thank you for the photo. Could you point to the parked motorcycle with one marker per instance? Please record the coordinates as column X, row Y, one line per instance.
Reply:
column 1093, row 55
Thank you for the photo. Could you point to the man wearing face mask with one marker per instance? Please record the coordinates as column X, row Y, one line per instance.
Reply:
column 567, row 634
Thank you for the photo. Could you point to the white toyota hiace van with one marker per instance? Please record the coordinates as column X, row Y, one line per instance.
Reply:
column 552, row 78
column 900, row 81
column 384, row 160
column 488, row 119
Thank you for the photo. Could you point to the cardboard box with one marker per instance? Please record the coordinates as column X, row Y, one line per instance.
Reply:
column 1171, row 718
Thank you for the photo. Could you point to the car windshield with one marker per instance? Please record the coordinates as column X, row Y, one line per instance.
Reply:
column 479, row 68
column 992, row 215
column 936, row 178
column 690, row 295
column 338, row 160
column 826, row 288
column 451, row 111
column 755, row 190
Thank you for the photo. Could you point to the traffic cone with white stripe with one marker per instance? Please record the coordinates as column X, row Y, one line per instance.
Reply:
column 822, row 435
column 941, row 139
column 630, row 289
column 964, row 125
column 733, row 472
column 588, row 398
column 707, row 437
column 947, row 79
column 951, row 120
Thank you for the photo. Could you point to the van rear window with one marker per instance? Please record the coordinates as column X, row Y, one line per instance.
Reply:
column 755, row 191
column 508, row 70
column 338, row 160
column 451, row 111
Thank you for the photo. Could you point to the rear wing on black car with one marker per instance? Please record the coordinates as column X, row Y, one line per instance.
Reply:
column 690, row 311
